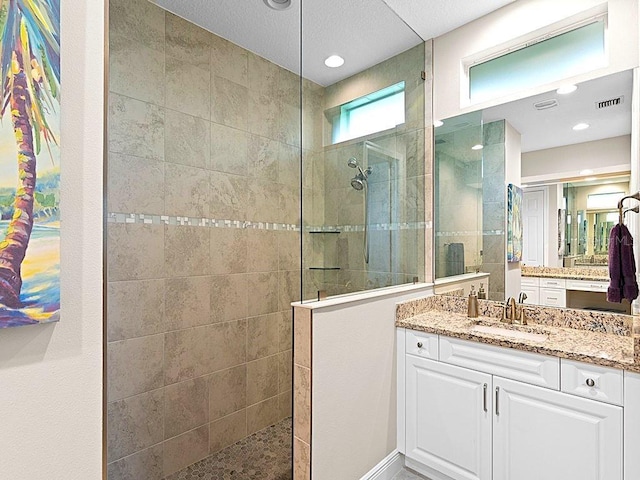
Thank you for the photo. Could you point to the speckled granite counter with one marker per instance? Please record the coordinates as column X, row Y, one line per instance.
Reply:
column 570, row 273
column 595, row 337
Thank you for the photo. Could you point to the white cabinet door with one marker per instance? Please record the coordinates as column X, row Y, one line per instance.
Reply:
column 533, row 295
column 533, row 228
column 541, row 434
column 448, row 418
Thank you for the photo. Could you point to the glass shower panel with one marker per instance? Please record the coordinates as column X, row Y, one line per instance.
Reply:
column 458, row 196
column 363, row 208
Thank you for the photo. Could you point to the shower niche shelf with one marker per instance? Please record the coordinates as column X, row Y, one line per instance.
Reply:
column 324, row 231
column 324, row 268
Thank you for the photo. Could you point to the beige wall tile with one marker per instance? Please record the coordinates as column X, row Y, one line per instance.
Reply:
column 285, row 405
column 186, row 406
column 135, row 185
column 187, row 139
column 187, row 87
column 229, row 61
column 186, row 251
column 228, row 250
column 143, row 465
column 143, row 22
column 289, row 205
column 285, row 330
column 229, row 149
column 262, row 336
column 134, row 309
column 289, row 164
column 301, row 460
column 261, row 415
column 135, row 128
column 263, row 202
column 134, row 366
column 285, row 365
column 186, row 191
column 229, row 297
column 262, row 379
column 229, row 103
column 185, row 40
column 228, row 196
column 264, row 158
column 202, row 350
column 302, row 337
column 186, row 449
column 227, row 392
column 302, row 403
column 135, row 70
column 262, row 250
column 227, row 431
column 134, row 251
column 188, row 302
column 262, row 299
column 289, row 250
column 289, row 288
column 134, row 423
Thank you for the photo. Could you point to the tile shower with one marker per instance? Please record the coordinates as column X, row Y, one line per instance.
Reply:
column 198, row 309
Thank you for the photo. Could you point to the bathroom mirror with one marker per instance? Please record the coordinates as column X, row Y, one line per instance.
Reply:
column 571, row 177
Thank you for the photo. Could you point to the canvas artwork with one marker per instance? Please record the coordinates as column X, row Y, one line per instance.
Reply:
column 514, row 224
column 29, row 162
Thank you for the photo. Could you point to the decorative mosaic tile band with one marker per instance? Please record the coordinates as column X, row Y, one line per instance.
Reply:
column 142, row 218
column 196, row 222
column 470, row 233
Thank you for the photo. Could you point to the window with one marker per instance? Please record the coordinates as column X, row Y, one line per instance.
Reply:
column 372, row 113
column 546, row 60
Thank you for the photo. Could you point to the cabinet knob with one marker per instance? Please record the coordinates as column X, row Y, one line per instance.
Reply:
column 590, row 382
column 419, row 344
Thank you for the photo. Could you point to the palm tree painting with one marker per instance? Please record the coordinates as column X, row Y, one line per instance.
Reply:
column 29, row 188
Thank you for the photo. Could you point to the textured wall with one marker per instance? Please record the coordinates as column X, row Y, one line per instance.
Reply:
column 203, row 252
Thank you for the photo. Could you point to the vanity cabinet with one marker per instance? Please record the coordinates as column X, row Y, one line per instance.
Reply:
column 479, row 412
column 448, row 418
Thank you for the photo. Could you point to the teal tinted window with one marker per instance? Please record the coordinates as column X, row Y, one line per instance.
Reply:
column 562, row 56
column 372, row 113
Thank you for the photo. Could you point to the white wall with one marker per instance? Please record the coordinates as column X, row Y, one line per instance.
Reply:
column 514, row 21
column 601, row 156
column 354, row 403
column 51, row 375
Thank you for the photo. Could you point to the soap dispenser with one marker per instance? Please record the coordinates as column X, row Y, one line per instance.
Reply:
column 472, row 307
column 482, row 295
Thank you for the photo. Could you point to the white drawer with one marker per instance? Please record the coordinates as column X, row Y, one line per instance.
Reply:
column 588, row 285
column 530, row 281
column 607, row 382
column 553, row 297
column 526, row 367
column 552, row 283
column 422, row 344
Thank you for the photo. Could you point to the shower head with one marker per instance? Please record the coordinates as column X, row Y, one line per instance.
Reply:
column 353, row 163
column 357, row 183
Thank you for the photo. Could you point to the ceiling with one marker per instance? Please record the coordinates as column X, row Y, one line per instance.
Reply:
column 541, row 129
column 363, row 32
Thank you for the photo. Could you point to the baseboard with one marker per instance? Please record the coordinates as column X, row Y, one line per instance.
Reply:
column 387, row 468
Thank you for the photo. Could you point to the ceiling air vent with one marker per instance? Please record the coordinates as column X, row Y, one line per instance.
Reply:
column 546, row 104
column 612, row 102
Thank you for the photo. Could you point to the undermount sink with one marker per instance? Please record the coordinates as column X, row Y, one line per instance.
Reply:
column 505, row 332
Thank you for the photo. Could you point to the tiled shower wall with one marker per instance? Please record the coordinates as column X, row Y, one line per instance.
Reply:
column 203, row 254
column 397, row 241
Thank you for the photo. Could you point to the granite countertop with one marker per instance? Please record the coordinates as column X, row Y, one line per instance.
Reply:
column 593, row 337
column 597, row 274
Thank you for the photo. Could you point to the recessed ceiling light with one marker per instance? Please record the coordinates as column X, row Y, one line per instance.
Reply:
column 524, row 186
column 334, row 61
column 581, row 126
column 586, row 171
column 438, row 123
column 278, row 4
column 590, row 179
column 477, row 147
column 565, row 89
